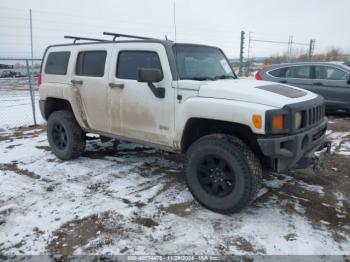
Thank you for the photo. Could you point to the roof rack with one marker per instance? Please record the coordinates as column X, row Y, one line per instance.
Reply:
column 115, row 35
column 77, row 38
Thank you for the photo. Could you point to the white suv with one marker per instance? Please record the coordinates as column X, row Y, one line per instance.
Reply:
column 183, row 98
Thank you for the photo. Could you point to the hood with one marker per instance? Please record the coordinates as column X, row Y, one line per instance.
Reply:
column 254, row 91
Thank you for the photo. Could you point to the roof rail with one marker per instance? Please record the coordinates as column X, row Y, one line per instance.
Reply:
column 77, row 38
column 115, row 35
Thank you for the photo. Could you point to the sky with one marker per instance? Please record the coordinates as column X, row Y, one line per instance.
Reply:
column 216, row 23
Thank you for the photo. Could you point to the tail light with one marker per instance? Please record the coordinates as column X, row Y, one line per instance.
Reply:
column 257, row 76
column 39, row 80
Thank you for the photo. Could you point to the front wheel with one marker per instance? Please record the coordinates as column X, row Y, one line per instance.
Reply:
column 222, row 173
column 66, row 138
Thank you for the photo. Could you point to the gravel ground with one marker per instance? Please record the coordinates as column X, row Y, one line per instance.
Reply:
column 134, row 200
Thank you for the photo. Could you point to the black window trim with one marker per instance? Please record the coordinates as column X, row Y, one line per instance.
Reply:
column 89, row 51
column 69, row 57
column 137, row 51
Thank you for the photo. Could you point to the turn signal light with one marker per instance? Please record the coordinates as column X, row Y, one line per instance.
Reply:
column 277, row 122
column 257, row 121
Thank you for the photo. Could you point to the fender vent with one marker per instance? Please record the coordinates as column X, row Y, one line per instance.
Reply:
column 283, row 90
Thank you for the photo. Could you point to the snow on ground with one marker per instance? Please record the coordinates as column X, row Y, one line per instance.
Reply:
column 15, row 104
column 134, row 201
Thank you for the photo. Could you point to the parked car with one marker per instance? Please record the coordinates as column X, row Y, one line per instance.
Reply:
column 182, row 98
column 11, row 74
column 330, row 80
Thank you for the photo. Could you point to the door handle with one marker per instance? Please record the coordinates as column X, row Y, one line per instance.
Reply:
column 112, row 85
column 284, row 81
column 76, row 82
column 318, row 84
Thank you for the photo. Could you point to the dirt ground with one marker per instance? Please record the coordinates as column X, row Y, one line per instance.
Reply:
column 134, row 201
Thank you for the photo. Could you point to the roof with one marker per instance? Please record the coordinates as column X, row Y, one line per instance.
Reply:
column 344, row 65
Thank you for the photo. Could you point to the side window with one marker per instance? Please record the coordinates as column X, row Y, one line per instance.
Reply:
column 298, row 72
column 57, row 63
column 130, row 61
column 91, row 63
column 280, row 72
column 329, row 73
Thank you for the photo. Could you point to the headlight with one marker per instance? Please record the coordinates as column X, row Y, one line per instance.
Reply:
column 298, row 118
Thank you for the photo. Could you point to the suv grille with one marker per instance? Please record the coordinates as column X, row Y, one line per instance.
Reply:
column 314, row 115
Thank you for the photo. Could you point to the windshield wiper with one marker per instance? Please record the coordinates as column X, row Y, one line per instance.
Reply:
column 199, row 78
column 224, row 77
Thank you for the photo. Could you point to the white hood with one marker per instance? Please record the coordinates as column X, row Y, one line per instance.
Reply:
column 246, row 90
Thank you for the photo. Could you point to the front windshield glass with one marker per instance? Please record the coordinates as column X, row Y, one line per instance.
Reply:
column 202, row 63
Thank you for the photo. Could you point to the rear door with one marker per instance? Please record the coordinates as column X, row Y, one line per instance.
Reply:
column 331, row 83
column 91, row 78
column 299, row 76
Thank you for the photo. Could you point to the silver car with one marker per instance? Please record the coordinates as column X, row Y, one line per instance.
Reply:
column 330, row 80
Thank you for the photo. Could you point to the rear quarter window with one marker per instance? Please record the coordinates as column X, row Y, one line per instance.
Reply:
column 280, row 72
column 57, row 63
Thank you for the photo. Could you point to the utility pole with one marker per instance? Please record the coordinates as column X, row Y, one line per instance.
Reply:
column 241, row 54
column 248, row 56
column 311, row 49
column 31, row 74
column 290, row 48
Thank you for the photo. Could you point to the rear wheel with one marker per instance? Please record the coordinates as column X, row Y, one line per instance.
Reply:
column 66, row 138
column 222, row 173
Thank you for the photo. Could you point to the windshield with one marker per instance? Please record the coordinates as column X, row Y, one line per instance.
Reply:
column 202, row 63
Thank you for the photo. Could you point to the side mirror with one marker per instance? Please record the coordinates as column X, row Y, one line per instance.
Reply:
column 150, row 76
column 348, row 79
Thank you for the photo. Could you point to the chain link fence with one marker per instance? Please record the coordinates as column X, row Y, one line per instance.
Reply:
column 19, row 93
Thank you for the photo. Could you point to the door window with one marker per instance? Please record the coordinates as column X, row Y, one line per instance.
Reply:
column 329, row 73
column 302, row 72
column 130, row 61
column 91, row 63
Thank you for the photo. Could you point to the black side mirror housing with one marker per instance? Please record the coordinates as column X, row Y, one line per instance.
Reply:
column 150, row 76
column 348, row 79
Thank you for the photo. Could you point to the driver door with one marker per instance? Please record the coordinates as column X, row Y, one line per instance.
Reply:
column 143, row 116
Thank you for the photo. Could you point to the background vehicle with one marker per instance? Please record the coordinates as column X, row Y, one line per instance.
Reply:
column 330, row 80
column 183, row 98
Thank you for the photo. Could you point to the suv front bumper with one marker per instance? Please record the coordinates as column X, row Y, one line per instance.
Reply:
column 294, row 151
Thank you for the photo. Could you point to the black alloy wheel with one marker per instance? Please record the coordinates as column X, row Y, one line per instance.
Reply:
column 59, row 136
column 216, row 176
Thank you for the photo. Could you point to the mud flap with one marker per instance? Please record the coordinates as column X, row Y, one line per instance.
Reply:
column 321, row 159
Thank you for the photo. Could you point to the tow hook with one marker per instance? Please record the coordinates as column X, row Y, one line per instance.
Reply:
column 321, row 158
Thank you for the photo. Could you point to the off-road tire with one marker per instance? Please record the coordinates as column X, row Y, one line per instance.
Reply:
column 246, row 166
column 75, row 136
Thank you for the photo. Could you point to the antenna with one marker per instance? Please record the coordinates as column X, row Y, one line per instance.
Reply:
column 77, row 38
column 174, row 9
column 115, row 35
column 179, row 96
